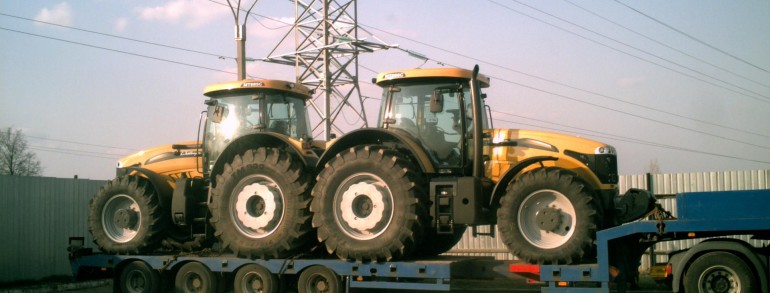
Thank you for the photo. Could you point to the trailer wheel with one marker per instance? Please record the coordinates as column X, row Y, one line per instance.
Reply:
column 138, row 277
column 319, row 279
column 719, row 272
column 125, row 216
column 255, row 278
column 196, row 277
column 260, row 205
column 546, row 216
column 365, row 205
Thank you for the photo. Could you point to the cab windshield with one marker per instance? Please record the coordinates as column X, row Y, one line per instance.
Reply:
column 440, row 131
column 233, row 116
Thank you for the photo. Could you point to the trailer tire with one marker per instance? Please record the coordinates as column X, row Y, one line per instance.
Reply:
column 260, row 205
column 138, row 277
column 366, row 205
column 547, row 216
column 719, row 272
column 255, row 278
column 125, row 217
column 196, row 277
column 319, row 279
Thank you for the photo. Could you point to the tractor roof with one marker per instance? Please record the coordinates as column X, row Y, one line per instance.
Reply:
column 250, row 85
column 391, row 77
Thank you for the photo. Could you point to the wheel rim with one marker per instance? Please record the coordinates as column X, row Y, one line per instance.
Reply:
column 253, row 282
column 363, row 206
column 318, row 283
column 547, row 219
column 193, row 282
column 120, row 218
column 257, row 206
column 136, row 282
column 719, row 279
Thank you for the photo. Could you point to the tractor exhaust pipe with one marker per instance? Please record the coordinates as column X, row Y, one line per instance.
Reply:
column 478, row 132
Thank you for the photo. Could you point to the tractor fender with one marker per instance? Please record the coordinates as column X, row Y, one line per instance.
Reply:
column 263, row 139
column 378, row 136
column 509, row 175
column 737, row 247
column 162, row 183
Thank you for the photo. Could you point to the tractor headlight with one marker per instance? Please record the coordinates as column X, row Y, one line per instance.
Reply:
column 605, row 150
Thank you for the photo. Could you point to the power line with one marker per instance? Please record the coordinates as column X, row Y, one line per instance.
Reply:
column 762, row 98
column 692, row 37
column 497, row 65
column 73, row 153
column 666, row 45
column 117, row 51
column 82, row 143
column 120, row 37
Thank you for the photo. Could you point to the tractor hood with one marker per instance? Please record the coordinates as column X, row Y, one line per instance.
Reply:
column 170, row 159
column 548, row 141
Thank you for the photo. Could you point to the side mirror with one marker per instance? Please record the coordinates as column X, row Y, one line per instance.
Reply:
column 436, row 102
column 217, row 114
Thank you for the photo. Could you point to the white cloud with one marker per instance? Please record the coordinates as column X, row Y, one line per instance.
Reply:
column 59, row 14
column 121, row 24
column 191, row 13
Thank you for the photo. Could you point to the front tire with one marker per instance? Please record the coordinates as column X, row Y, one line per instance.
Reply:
column 125, row 216
column 260, row 204
column 365, row 205
column 719, row 272
column 546, row 216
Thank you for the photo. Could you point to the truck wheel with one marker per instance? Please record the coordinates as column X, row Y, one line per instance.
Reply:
column 196, row 277
column 138, row 277
column 440, row 243
column 260, row 204
column 255, row 278
column 125, row 217
column 546, row 216
column 719, row 272
column 365, row 205
column 317, row 279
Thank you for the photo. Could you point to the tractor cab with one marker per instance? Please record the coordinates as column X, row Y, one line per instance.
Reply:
column 435, row 107
column 242, row 108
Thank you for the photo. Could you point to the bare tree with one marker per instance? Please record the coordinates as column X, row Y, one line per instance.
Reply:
column 15, row 156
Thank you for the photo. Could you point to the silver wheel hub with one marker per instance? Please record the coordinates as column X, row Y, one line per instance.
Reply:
column 363, row 206
column 546, row 219
column 719, row 279
column 258, row 208
column 120, row 218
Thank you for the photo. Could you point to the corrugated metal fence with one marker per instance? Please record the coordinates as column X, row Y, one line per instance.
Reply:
column 38, row 216
column 664, row 186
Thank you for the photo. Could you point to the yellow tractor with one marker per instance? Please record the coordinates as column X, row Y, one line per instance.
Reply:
column 434, row 166
column 249, row 180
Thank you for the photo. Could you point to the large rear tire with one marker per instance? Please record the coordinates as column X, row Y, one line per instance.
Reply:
column 124, row 217
column 260, row 205
column 546, row 216
column 365, row 205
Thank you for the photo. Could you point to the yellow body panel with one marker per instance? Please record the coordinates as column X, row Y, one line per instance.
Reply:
column 540, row 143
column 167, row 161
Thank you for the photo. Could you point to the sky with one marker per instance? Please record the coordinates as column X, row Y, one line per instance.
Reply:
column 682, row 85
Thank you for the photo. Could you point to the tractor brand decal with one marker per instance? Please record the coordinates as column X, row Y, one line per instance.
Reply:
column 253, row 84
column 394, row 75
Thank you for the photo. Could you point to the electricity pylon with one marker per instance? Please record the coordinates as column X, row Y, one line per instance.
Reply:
column 326, row 48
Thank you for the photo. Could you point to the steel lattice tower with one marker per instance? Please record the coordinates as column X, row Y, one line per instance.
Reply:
column 327, row 44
